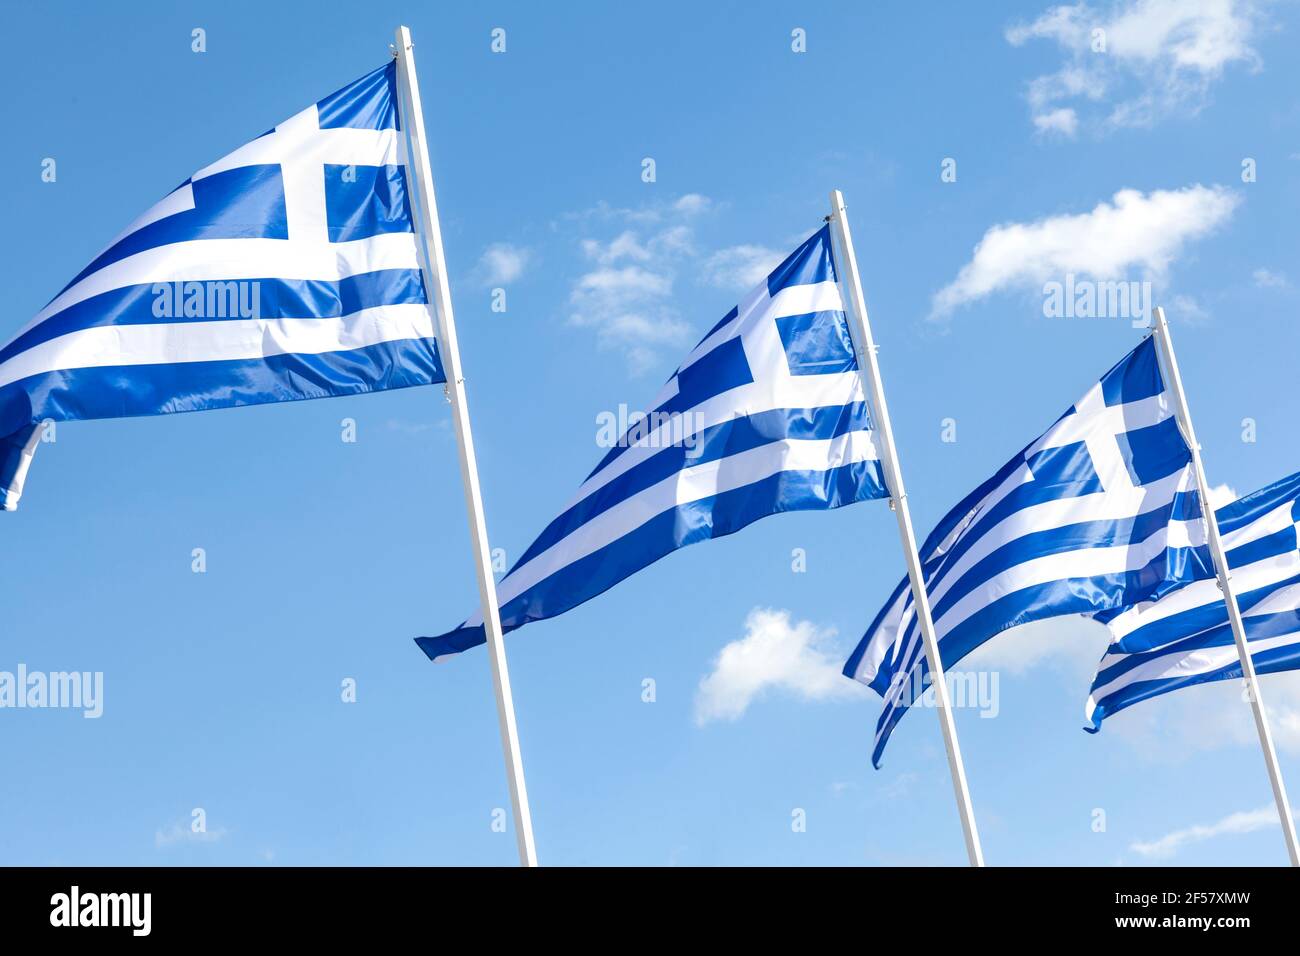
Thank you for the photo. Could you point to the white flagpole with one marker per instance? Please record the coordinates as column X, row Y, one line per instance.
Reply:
column 1166, row 347
column 870, row 369
column 434, row 266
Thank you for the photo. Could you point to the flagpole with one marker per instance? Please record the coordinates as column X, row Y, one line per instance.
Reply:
column 434, row 266
column 1166, row 347
column 870, row 369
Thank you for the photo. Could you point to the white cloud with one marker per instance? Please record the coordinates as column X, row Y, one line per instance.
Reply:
column 740, row 267
column 626, row 297
column 1064, row 121
column 1234, row 823
column 692, row 204
column 1136, row 231
column 1221, row 495
column 799, row 659
column 502, row 263
column 1266, row 279
column 1159, row 57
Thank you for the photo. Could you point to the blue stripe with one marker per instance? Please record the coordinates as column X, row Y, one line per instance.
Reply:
column 891, row 715
column 1062, row 472
column 1084, row 535
column 367, row 103
column 735, row 311
column 131, row 390
column 1136, row 376
column 12, row 447
column 811, row 263
column 1284, row 657
column 854, row 662
column 675, row 528
column 1165, row 572
column 1250, row 508
column 277, row 299
column 719, row 370
column 1201, row 627
column 714, row 443
column 242, row 203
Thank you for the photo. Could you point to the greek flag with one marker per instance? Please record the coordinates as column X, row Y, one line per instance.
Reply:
column 286, row 270
column 1184, row 638
column 1100, row 512
column 767, row 414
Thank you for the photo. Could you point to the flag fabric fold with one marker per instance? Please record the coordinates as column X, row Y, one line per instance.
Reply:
column 286, row 270
column 1100, row 512
column 1185, row 638
column 766, row 414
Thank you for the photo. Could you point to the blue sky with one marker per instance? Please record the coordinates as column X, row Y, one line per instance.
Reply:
column 324, row 558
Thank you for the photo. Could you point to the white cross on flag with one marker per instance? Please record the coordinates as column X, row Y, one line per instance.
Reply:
column 287, row 270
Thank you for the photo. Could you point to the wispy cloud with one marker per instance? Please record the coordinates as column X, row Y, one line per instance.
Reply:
column 1137, row 61
column 1064, row 121
column 502, row 263
column 626, row 296
column 1267, row 279
column 1247, row 821
column 740, row 267
column 775, row 654
column 1143, row 232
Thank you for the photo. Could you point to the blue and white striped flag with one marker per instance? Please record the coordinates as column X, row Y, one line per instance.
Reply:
column 286, row 270
column 767, row 414
column 1100, row 512
column 1184, row 638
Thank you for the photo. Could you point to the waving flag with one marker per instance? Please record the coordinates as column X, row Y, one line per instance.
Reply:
column 767, row 414
column 287, row 270
column 1184, row 638
column 1100, row 512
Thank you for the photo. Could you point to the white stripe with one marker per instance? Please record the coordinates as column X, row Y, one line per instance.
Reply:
column 683, row 487
column 896, row 619
column 1059, row 513
column 1078, row 563
column 1183, row 664
column 201, row 260
column 300, row 139
column 180, row 199
column 222, row 340
column 794, row 391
